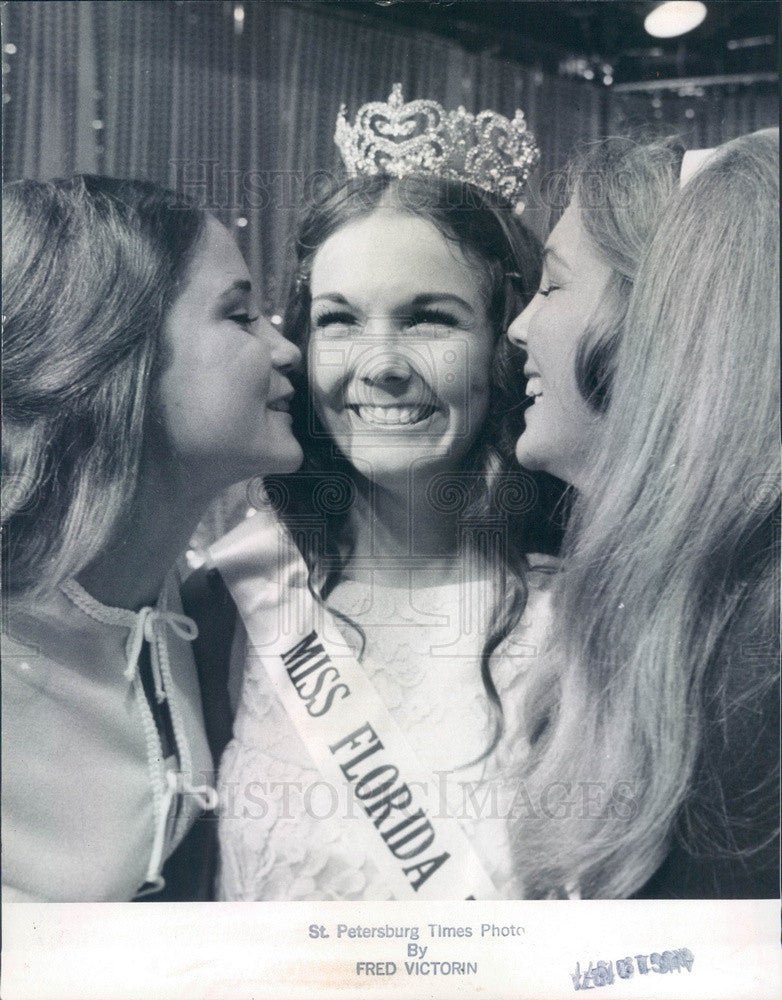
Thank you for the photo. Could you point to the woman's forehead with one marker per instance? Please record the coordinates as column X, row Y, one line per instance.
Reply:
column 569, row 246
column 217, row 262
column 393, row 252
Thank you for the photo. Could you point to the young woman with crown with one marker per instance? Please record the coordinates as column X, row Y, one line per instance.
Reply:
column 369, row 758
column 652, row 364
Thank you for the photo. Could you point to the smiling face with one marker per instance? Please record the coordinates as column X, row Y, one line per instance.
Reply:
column 223, row 395
column 400, row 346
column 560, row 425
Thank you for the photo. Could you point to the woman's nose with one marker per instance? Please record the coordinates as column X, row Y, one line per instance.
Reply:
column 387, row 370
column 284, row 354
column 517, row 331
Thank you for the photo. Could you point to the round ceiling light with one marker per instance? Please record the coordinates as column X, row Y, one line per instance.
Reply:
column 676, row 17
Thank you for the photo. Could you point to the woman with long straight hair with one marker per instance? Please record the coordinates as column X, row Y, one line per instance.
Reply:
column 138, row 382
column 657, row 702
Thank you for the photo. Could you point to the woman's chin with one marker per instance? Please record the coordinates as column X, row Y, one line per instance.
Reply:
column 289, row 460
column 526, row 453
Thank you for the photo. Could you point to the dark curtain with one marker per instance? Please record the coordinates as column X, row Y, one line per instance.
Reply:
column 703, row 117
column 170, row 92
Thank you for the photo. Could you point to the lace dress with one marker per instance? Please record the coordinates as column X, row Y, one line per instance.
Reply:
column 281, row 834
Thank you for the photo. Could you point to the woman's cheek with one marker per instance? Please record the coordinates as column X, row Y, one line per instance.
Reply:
column 326, row 373
column 323, row 393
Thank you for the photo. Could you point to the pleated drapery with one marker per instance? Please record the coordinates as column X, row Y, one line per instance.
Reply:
column 711, row 116
column 169, row 92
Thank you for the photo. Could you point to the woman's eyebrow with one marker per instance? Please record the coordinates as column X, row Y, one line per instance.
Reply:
column 332, row 297
column 242, row 285
column 550, row 253
column 417, row 302
column 431, row 297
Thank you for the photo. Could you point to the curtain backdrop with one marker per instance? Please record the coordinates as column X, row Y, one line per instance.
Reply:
column 169, row 92
column 707, row 117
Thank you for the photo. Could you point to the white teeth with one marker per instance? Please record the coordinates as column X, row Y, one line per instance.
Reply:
column 392, row 415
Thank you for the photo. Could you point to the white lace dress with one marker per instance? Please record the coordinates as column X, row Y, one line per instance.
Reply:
column 281, row 836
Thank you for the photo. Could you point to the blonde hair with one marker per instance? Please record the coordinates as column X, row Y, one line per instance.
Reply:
column 90, row 268
column 670, row 561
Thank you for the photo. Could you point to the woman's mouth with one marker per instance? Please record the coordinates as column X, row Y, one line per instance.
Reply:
column 392, row 416
column 282, row 401
column 534, row 388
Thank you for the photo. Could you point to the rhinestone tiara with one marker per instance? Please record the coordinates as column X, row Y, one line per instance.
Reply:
column 494, row 153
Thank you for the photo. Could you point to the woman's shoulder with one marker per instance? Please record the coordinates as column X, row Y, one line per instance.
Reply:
column 27, row 621
column 39, row 635
column 16, row 648
column 21, row 672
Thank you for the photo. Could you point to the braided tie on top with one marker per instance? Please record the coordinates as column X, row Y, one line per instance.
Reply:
column 144, row 628
column 150, row 624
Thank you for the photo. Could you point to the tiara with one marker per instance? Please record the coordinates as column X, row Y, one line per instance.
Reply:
column 494, row 153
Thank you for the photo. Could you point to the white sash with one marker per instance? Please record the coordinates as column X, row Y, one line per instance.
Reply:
column 357, row 747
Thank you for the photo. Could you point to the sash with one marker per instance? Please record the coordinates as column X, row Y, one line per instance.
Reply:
column 362, row 755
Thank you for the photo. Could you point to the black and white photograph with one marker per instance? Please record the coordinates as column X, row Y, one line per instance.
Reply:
column 390, row 498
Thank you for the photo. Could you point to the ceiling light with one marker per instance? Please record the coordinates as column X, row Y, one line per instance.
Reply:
column 676, row 17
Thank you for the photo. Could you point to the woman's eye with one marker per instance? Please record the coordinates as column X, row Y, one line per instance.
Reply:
column 334, row 322
column 433, row 317
column 548, row 290
column 244, row 319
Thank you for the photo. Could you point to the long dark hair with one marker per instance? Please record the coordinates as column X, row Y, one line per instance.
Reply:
column 90, row 268
column 315, row 503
